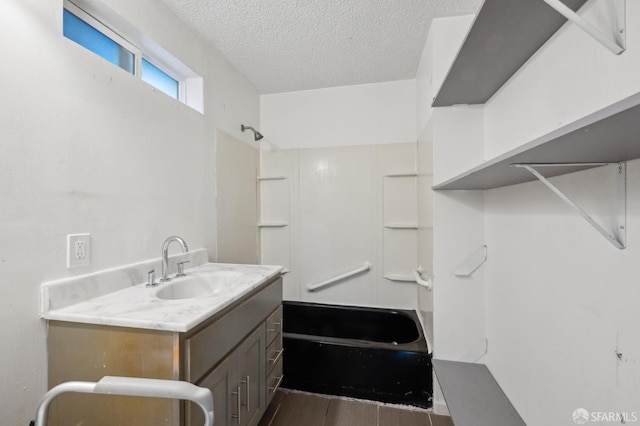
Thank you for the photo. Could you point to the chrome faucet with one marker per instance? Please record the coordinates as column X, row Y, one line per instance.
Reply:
column 165, row 255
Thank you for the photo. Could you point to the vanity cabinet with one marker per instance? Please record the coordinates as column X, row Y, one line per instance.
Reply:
column 231, row 353
column 237, row 384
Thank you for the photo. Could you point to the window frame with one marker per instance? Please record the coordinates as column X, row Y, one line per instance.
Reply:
column 138, row 54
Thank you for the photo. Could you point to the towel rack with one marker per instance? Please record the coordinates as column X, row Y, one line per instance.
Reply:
column 313, row 287
column 132, row 386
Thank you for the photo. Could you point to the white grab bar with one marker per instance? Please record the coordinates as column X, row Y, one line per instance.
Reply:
column 313, row 287
column 417, row 274
column 132, row 386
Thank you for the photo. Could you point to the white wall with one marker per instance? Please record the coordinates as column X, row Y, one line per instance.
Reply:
column 366, row 114
column 88, row 148
column 424, row 199
column 237, row 166
column 561, row 300
column 450, row 141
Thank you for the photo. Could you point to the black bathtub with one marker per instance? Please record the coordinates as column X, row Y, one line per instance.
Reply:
column 369, row 353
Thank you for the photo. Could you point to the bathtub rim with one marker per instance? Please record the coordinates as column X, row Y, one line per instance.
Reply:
column 421, row 344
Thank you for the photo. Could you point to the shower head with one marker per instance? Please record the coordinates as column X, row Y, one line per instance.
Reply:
column 256, row 134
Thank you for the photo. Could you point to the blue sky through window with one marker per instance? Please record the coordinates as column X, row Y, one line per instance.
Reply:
column 85, row 35
column 159, row 79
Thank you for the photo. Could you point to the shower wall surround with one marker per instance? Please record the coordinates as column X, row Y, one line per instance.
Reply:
column 328, row 216
column 342, row 206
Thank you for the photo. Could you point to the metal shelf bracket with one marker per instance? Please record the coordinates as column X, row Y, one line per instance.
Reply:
column 617, row 43
column 619, row 236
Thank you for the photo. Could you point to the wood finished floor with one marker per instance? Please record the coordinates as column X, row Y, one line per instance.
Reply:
column 300, row 409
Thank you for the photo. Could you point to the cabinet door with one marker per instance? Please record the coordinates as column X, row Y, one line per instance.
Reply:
column 252, row 376
column 224, row 386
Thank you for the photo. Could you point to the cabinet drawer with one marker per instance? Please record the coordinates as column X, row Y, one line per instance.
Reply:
column 274, row 325
column 274, row 353
column 273, row 380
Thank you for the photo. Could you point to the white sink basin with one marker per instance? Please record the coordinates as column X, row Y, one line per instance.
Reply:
column 198, row 285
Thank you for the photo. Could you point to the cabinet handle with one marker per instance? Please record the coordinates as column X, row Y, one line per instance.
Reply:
column 237, row 394
column 277, row 357
column 277, row 384
column 278, row 324
column 247, row 393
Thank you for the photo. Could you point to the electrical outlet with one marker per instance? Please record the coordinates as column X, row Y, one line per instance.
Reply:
column 78, row 250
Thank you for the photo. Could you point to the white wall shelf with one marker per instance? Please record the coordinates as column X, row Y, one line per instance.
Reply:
column 274, row 219
column 610, row 135
column 473, row 395
column 272, row 224
column 400, row 175
column 401, row 226
column 504, row 35
column 261, row 178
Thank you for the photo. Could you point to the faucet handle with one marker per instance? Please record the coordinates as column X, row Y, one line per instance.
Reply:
column 181, row 268
column 151, row 278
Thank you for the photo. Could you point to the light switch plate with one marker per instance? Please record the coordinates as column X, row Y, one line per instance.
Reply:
column 78, row 250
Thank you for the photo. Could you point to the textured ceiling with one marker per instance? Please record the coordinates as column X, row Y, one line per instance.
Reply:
column 289, row 45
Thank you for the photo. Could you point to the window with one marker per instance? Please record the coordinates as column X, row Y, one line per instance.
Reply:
column 160, row 79
column 85, row 35
column 145, row 60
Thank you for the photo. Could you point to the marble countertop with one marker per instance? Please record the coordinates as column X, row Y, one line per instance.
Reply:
column 139, row 306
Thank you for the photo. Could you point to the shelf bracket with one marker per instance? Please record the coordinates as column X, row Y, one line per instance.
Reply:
column 472, row 262
column 619, row 237
column 616, row 43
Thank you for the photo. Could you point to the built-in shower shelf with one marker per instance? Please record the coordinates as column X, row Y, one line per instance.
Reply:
column 400, row 278
column 272, row 224
column 261, row 178
column 401, row 226
column 399, row 175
